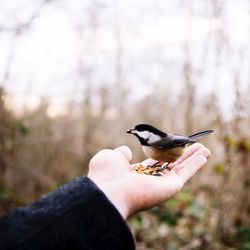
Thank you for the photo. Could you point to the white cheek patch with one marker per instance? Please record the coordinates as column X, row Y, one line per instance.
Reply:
column 154, row 138
column 149, row 136
column 143, row 134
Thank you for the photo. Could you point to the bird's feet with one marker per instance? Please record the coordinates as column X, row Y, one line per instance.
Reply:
column 165, row 166
column 161, row 166
column 156, row 164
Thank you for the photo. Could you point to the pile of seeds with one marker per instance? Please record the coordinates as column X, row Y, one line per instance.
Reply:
column 150, row 170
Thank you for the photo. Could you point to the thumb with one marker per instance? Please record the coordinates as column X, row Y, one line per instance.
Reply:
column 125, row 151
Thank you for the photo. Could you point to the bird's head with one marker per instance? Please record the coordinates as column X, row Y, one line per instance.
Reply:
column 147, row 134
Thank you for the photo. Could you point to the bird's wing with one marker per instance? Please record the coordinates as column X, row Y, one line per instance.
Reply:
column 172, row 141
column 198, row 135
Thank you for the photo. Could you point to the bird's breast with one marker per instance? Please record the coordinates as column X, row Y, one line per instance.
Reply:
column 165, row 155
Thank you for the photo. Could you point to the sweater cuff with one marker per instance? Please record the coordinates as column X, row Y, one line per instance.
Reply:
column 76, row 212
column 110, row 229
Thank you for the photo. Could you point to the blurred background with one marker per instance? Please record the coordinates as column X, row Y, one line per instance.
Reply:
column 75, row 75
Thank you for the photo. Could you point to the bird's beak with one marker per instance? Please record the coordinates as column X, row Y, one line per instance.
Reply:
column 131, row 131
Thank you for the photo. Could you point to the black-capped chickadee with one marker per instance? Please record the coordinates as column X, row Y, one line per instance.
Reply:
column 161, row 146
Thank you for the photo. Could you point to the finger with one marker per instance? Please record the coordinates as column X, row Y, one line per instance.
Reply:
column 189, row 151
column 188, row 171
column 203, row 151
column 125, row 151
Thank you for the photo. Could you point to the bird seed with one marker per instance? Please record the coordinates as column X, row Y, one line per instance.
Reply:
column 149, row 170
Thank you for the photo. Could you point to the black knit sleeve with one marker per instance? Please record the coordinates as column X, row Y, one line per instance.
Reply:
column 76, row 216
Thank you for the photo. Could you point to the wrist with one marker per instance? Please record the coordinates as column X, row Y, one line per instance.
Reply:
column 115, row 195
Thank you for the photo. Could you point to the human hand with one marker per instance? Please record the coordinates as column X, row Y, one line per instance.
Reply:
column 131, row 192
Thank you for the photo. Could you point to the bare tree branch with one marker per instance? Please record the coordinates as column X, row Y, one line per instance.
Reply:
column 21, row 27
column 17, row 31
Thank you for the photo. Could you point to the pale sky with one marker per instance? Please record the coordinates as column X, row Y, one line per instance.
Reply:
column 152, row 33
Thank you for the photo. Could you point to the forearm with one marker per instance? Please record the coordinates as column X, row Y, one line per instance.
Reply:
column 76, row 215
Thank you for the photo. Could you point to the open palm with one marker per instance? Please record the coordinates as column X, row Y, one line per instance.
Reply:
column 131, row 192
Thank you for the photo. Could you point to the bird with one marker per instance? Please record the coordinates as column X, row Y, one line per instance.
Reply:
column 163, row 147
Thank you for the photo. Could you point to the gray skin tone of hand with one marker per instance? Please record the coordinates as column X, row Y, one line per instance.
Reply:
column 131, row 192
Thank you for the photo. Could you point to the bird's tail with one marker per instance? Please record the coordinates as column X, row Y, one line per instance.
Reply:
column 201, row 134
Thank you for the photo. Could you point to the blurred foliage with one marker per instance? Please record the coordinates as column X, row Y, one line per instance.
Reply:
column 219, row 168
column 39, row 153
column 244, row 233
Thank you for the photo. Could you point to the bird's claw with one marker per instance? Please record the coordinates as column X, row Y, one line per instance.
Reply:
column 162, row 166
column 156, row 164
column 165, row 167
